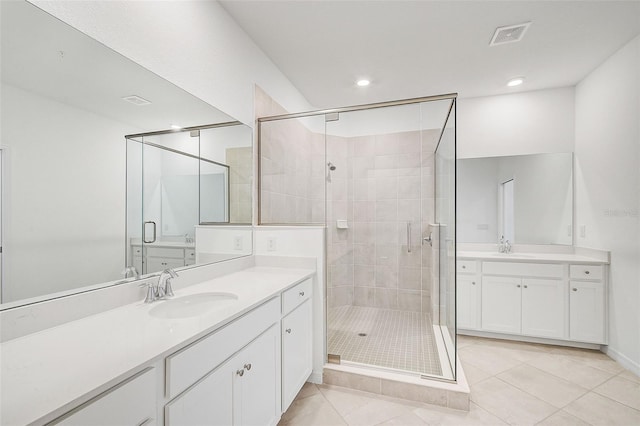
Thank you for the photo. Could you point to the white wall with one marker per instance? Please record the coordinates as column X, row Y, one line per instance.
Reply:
column 301, row 242
column 193, row 44
column 520, row 123
column 71, row 161
column 608, row 187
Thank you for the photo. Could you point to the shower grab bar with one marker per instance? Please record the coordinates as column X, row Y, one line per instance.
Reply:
column 408, row 237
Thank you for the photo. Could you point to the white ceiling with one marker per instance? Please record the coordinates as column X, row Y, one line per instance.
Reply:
column 419, row 48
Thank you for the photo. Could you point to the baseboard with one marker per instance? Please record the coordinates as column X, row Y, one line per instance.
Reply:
column 623, row 360
column 315, row 378
column 520, row 338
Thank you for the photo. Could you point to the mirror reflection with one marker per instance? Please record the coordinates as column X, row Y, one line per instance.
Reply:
column 527, row 199
column 67, row 104
column 178, row 180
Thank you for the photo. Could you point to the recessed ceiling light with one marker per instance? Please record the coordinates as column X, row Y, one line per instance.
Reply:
column 515, row 81
column 363, row 82
column 176, row 127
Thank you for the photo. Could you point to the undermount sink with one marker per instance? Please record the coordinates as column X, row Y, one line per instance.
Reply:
column 192, row 305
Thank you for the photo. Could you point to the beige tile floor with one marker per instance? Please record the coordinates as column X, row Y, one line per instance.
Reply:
column 511, row 383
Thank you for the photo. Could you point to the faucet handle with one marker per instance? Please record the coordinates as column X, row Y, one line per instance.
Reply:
column 168, row 291
column 151, row 294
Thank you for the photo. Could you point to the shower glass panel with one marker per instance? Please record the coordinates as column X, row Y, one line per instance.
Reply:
column 170, row 198
column 293, row 170
column 371, row 175
column 380, row 206
column 445, row 243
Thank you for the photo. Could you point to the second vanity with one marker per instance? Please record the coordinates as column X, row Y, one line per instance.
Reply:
column 549, row 298
column 240, row 363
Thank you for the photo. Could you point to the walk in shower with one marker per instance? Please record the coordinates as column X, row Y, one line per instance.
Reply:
column 381, row 178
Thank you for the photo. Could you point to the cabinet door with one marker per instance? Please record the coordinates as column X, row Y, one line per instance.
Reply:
column 544, row 307
column 258, row 388
column 468, row 295
column 501, row 304
column 296, row 352
column 209, row 402
column 586, row 311
column 155, row 264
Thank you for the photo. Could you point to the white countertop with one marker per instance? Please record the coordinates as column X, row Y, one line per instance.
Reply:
column 529, row 257
column 47, row 373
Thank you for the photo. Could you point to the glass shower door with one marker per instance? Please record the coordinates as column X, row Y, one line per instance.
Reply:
column 445, row 239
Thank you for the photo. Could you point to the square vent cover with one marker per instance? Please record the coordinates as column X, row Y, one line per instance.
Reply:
column 509, row 34
column 136, row 100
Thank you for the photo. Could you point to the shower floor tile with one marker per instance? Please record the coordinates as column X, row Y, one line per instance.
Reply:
column 384, row 338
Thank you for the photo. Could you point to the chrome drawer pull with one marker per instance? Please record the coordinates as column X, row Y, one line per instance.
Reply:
column 586, row 272
column 574, row 289
column 247, row 366
column 240, row 372
column 301, row 293
column 288, row 330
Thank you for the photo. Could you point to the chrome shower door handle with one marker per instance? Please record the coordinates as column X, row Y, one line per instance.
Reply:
column 408, row 237
column 144, row 232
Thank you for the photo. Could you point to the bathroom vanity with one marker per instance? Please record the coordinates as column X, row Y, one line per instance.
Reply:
column 553, row 298
column 240, row 360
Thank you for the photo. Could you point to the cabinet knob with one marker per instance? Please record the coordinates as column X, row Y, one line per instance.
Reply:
column 247, row 366
column 525, row 286
column 574, row 289
column 586, row 272
column 464, row 267
column 518, row 286
column 301, row 293
column 240, row 372
column 288, row 330
column 473, row 282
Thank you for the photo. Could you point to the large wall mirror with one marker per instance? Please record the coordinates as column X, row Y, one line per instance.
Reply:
column 71, row 182
column 528, row 199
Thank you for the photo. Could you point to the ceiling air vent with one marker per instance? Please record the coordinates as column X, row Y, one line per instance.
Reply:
column 136, row 100
column 509, row 34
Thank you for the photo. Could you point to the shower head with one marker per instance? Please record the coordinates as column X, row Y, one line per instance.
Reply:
column 331, row 166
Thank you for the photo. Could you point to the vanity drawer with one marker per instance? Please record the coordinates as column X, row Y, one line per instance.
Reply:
column 586, row 272
column 466, row 266
column 295, row 296
column 177, row 253
column 188, row 365
column 132, row 402
column 543, row 270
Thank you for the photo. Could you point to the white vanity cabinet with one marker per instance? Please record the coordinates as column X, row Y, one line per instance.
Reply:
column 230, row 377
column 559, row 301
column 530, row 306
column 468, row 292
column 587, row 303
column 296, row 341
column 241, row 391
column 155, row 258
column 132, row 402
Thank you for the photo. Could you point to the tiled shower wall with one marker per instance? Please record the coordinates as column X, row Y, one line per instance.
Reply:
column 381, row 182
column 292, row 168
column 240, row 165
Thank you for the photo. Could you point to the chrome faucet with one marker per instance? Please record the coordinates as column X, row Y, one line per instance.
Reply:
column 164, row 282
column 131, row 271
column 504, row 246
column 161, row 289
